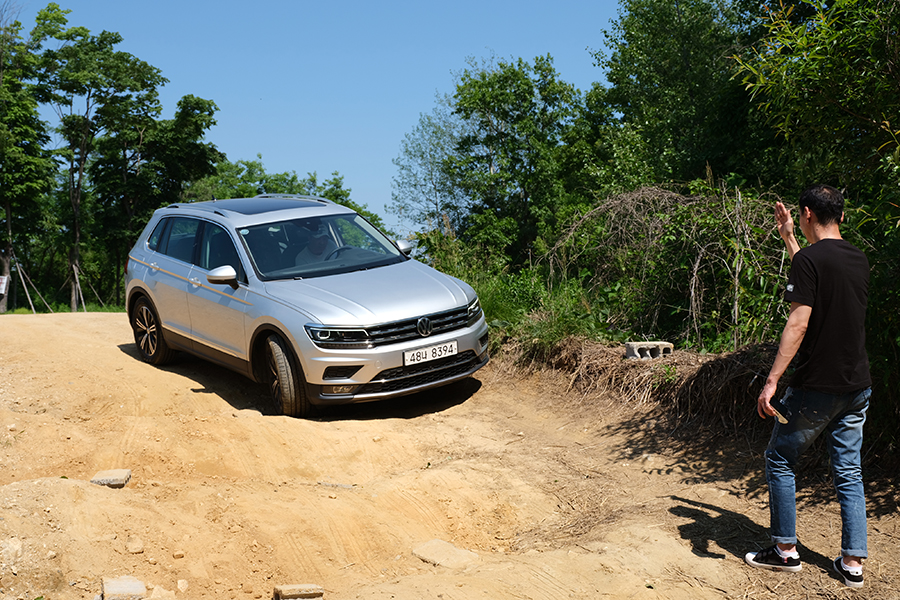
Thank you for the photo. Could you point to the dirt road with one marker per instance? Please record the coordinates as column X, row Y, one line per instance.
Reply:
column 552, row 498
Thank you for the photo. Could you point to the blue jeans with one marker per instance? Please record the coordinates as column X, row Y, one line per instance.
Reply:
column 841, row 419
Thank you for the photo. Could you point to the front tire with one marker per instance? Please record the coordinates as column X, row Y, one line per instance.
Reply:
column 287, row 386
column 148, row 335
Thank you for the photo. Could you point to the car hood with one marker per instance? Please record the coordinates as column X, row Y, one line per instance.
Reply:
column 381, row 295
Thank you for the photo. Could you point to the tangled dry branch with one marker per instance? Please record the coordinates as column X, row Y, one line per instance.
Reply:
column 714, row 392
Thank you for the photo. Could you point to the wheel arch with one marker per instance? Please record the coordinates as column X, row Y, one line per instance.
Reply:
column 133, row 296
column 149, row 336
column 257, row 349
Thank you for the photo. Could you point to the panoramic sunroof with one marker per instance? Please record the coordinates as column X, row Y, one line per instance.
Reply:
column 255, row 206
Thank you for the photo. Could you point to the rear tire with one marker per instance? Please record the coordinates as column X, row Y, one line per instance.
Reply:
column 148, row 334
column 287, row 386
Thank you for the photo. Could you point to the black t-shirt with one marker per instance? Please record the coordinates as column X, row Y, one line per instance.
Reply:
column 831, row 276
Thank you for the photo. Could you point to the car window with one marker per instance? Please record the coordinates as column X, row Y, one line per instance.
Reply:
column 217, row 250
column 182, row 238
column 266, row 246
column 352, row 233
column 157, row 234
column 317, row 246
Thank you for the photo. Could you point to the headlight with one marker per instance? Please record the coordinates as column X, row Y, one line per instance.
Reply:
column 474, row 311
column 336, row 337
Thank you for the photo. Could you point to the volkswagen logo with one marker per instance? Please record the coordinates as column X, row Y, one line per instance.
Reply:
column 424, row 327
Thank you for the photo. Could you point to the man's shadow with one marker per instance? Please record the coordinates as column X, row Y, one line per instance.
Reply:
column 733, row 532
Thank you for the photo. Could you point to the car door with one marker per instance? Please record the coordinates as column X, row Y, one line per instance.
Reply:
column 218, row 310
column 168, row 274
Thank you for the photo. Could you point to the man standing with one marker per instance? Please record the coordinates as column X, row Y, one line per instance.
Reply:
column 830, row 388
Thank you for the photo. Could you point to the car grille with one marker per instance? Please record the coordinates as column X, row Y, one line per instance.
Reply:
column 403, row 378
column 401, row 331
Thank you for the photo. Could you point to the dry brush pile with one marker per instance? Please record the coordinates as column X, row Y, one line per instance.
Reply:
column 693, row 401
column 713, row 393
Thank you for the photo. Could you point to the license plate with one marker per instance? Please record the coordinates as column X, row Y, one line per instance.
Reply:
column 420, row 355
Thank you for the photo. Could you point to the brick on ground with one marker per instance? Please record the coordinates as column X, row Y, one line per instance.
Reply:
column 114, row 478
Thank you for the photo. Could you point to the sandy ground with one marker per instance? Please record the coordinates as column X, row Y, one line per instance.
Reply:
column 555, row 497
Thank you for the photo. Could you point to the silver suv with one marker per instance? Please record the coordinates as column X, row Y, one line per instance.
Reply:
column 301, row 294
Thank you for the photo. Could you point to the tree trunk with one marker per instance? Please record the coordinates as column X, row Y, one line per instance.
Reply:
column 6, row 258
column 119, row 276
column 73, row 265
column 5, row 271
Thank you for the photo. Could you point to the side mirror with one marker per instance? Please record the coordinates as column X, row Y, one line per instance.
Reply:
column 223, row 275
column 404, row 246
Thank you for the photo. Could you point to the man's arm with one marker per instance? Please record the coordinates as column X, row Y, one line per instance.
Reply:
column 786, row 228
column 791, row 337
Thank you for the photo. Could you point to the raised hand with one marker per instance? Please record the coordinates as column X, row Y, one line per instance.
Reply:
column 785, row 224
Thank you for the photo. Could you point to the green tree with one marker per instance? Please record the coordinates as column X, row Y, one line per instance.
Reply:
column 94, row 90
column 602, row 156
column 141, row 164
column 424, row 192
column 176, row 151
column 828, row 80
column 25, row 167
column 239, row 179
column 509, row 161
column 672, row 84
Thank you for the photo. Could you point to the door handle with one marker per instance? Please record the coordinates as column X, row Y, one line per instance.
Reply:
column 195, row 281
column 154, row 266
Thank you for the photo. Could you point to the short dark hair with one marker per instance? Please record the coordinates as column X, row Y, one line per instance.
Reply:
column 825, row 202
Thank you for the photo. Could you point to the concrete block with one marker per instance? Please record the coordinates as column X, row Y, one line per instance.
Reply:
column 123, row 588
column 115, row 478
column 444, row 554
column 298, row 590
column 647, row 350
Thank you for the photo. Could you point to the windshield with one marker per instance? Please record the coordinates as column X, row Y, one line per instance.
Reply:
column 317, row 246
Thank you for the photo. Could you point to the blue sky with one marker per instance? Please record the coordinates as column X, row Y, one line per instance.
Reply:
column 334, row 86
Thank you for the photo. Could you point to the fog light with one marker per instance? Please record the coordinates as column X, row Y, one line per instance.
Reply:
column 340, row 389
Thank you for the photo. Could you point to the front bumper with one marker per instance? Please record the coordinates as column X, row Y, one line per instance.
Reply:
column 403, row 380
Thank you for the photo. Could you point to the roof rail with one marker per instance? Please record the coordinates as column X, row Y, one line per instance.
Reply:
column 295, row 197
